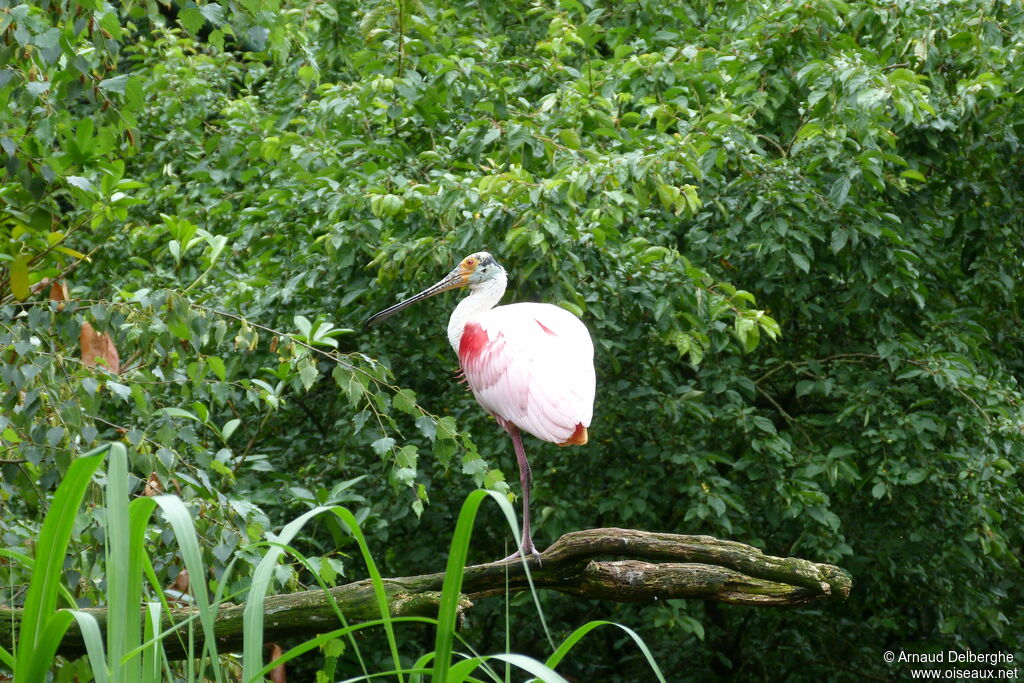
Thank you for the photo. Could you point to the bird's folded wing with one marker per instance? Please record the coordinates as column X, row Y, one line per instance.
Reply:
column 531, row 364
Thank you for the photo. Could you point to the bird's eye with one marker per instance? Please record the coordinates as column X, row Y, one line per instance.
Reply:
column 470, row 262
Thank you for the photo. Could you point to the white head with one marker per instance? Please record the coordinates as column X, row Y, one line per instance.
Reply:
column 476, row 271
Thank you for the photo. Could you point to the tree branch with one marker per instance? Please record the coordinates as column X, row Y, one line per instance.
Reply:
column 618, row 565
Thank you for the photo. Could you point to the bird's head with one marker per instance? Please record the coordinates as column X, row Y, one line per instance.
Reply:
column 476, row 269
column 472, row 271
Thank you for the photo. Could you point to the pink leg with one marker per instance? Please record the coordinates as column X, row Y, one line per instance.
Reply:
column 525, row 478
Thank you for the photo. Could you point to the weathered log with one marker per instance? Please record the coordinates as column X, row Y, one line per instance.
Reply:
column 619, row 565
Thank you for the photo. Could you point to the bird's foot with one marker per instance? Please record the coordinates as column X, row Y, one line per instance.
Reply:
column 530, row 551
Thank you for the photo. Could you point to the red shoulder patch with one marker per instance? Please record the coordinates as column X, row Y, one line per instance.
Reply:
column 474, row 339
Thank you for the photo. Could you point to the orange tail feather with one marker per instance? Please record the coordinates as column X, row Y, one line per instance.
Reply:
column 578, row 438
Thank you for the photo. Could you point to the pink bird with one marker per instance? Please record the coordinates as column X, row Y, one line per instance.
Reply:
column 529, row 365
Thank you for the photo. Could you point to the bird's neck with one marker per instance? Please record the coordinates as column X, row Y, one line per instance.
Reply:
column 482, row 298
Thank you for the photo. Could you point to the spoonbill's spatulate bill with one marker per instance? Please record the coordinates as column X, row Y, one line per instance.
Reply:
column 529, row 365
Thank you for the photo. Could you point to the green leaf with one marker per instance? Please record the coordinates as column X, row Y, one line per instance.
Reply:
column 348, row 381
column 229, row 428
column 407, row 456
column 303, row 325
column 217, row 244
column 570, row 138
column 383, row 445
column 808, row 131
column 213, row 13
column 116, row 84
column 693, row 201
column 443, row 451
column 804, row 387
column 192, row 19
column 179, row 519
column 37, row 88
column 405, row 401
column 668, row 195
column 178, row 412
column 427, row 426
column 916, row 476
column 840, row 189
column 839, row 239
column 89, row 627
column 764, row 424
column 119, row 390
column 81, row 183
column 308, row 374
column 19, row 278
column 769, row 325
column 217, row 366
column 801, row 261
column 446, row 428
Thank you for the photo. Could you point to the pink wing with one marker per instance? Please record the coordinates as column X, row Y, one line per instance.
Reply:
column 532, row 365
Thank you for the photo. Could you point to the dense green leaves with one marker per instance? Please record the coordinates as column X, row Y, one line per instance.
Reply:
column 794, row 230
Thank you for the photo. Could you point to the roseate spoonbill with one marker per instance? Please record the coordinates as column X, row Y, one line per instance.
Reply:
column 529, row 365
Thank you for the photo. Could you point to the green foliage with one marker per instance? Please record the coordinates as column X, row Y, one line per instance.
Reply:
column 42, row 625
column 121, row 656
column 793, row 229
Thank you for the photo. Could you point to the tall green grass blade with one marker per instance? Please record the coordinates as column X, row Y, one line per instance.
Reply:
column 314, row 643
column 39, row 635
column 576, row 636
column 511, row 519
column 536, row 602
column 330, row 600
column 157, row 586
column 33, row 667
column 376, row 580
column 252, row 619
column 452, row 587
column 191, row 650
column 421, row 664
column 187, row 622
column 151, row 648
column 151, row 653
column 423, row 661
column 155, row 638
column 508, row 626
column 140, row 511
column 177, row 515
column 385, row 675
column 93, row 640
column 460, row 671
column 122, row 606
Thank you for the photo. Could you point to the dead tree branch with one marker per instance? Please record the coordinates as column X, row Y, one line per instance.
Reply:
column 618, row 565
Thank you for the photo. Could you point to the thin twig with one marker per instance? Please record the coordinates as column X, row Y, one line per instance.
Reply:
column 775, row 144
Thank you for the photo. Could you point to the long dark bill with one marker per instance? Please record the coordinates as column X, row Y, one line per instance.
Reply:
column 453, row 280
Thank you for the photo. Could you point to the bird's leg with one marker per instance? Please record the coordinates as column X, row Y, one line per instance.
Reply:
column 525, row 478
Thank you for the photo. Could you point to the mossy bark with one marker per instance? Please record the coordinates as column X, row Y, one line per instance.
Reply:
column 618, row 565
